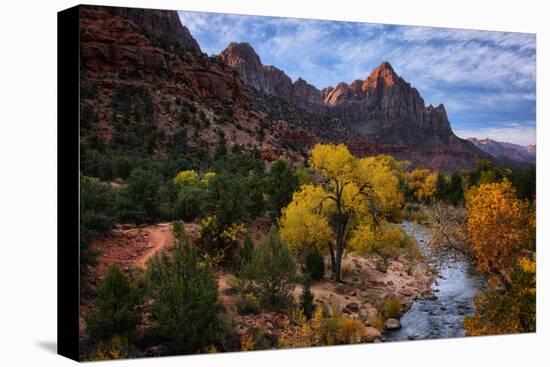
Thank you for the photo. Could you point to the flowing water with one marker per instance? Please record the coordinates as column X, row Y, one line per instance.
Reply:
column 455, row 287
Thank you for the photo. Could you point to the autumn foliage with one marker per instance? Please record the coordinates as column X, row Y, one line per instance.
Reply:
column 352, row 192
column 499, row 224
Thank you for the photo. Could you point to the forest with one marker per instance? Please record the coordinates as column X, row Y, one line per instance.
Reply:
column 316, row 218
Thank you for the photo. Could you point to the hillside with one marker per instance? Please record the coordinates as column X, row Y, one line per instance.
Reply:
column 514, row 152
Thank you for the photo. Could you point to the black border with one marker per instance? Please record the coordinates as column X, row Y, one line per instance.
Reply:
column 68, row 147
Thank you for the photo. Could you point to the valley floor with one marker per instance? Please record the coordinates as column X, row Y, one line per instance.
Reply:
column 365, row 287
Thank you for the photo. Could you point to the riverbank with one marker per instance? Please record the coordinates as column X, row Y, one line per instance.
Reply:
column 454, row 289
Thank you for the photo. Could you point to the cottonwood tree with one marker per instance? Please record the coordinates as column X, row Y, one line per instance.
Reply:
column 351, row 191
column 500, row 226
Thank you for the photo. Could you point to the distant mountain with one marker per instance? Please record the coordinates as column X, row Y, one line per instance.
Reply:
column 498, row 149
column 384, row 109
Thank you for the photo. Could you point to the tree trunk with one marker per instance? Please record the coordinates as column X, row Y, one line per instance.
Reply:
column 339, row 252
column 332, row 261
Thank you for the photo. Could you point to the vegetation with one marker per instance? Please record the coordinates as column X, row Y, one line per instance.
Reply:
column 332, row 205
column 185, row 311
column 314, row 265
column 97, row 216
column 392, row 308
column 356, row 192
column 117, row 309
column 271, row 272
column 306, row 299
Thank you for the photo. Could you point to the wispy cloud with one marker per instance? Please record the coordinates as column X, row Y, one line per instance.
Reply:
column 480, row 76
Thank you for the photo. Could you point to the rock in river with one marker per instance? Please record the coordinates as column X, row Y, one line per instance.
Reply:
column 392, row 324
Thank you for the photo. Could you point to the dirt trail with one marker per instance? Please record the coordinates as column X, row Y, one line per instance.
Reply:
column 160, row 238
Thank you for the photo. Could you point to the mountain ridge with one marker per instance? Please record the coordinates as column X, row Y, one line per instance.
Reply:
column 383, row 107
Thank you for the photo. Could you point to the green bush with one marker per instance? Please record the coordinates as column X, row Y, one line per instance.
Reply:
column 271, row 272
column 392, row 308
column 314, row 265
column 189, row 203
column 96, row 216
column 244, row 255
column 306, row 299
column 117, row 311
column 185, row 309
column 248, row 303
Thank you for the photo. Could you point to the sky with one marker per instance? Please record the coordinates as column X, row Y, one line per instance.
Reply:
column 486, row 80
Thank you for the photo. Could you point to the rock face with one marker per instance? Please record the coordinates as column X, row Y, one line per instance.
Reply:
column 515, row 152
column 264, row 78
column 139, row 57
column 387, row 113
column 164, row 24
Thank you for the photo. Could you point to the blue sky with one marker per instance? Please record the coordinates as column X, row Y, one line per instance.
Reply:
column 486, row 80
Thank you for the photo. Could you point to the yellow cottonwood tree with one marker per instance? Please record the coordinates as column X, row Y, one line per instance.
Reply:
column 351, row 190
column 423, row 183
column 499, row 225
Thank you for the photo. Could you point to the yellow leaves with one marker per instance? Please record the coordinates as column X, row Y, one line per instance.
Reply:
column 191, row 178
column 320, row 330
column 304, row 221
column 247, row 343
column 527, row 265
column 186, row 178
column 383, row 175
column 385, row 240
column 334, row 161
column 351, row 190
column 232, row 232
column 422, row 182
column 499, row 225
column 206, row 178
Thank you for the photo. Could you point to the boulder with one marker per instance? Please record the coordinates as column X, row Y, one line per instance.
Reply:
column 351, row 307
column 392, row 324
column 371, row 334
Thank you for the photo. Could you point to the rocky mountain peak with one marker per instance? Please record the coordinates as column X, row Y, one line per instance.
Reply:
column 383, row 74
column 239, row 53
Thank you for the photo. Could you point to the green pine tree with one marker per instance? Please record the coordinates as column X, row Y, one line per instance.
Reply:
column 117, row 308
column 306, row 298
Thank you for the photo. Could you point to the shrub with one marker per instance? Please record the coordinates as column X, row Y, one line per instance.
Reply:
column 189, row 203
column 96, row 216
column 280, row 185
column 245, row 254
column 315, row 265
column 306, row 299
column 184, row 290
column 117, row 310
column 392, row 308
column 139, row 201
column 271, row 272
column 248, row 304
column 116, row 348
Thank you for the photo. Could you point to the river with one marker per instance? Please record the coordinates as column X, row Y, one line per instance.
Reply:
column 455, row 287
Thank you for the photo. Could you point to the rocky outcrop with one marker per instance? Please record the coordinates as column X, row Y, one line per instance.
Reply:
column 264, row 78
column 268, row 78
column 164, row 24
